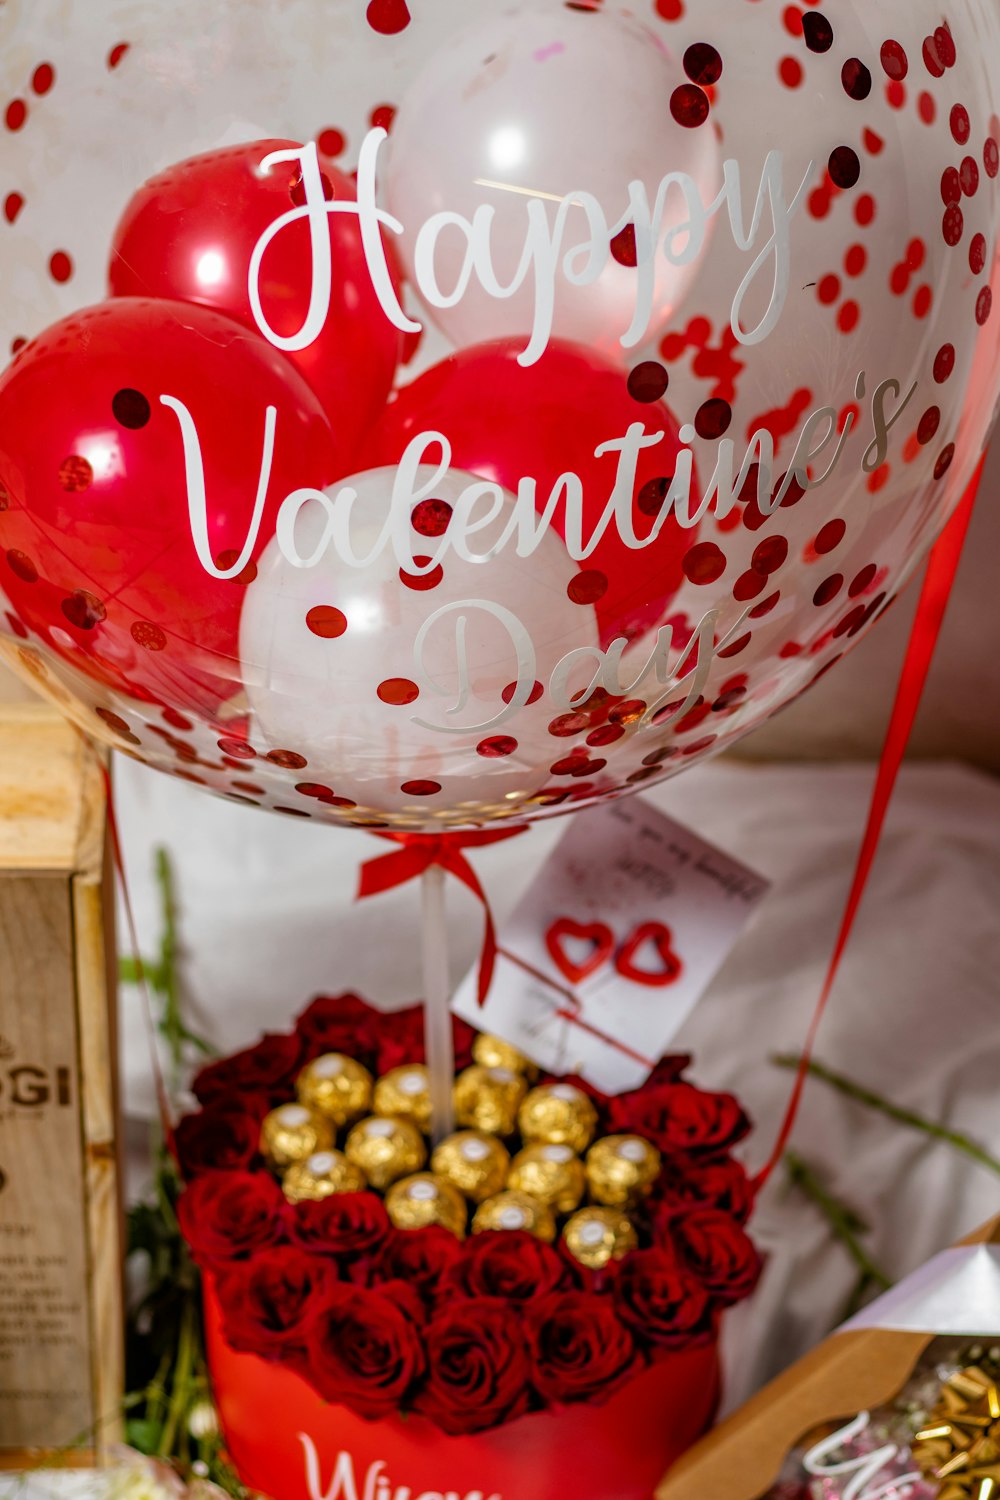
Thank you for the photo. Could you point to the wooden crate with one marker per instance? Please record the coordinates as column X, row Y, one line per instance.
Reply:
column 61, row 1344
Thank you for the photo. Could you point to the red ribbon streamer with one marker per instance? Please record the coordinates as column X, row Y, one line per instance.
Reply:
column 418, row 852
column 933, row 602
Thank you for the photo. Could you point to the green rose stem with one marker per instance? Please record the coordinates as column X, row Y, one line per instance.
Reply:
column 846, row 1226
column 910, row 1118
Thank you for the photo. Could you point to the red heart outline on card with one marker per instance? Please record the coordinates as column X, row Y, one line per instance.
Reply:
column 598, row 933
column 662, row 939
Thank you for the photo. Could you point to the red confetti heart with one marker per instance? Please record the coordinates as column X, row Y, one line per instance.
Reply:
column 597, row 933
column 388, row 16
column 662, row 938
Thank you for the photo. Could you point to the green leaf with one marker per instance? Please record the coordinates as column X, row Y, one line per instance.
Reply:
column 142, row 1434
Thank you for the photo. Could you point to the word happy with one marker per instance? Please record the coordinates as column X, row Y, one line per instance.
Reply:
column 679, row 236
column 376, row 1484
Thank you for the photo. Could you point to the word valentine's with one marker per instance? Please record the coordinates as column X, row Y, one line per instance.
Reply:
column 676, row 225
column 374, row 1484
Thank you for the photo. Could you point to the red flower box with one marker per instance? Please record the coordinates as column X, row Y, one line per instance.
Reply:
column 287, row 1442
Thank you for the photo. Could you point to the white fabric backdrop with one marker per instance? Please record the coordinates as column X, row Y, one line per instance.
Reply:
column 268, row 921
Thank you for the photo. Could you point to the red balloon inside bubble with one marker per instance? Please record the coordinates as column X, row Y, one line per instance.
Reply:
column 189, row 234
column 507, row 422
column 98, row 552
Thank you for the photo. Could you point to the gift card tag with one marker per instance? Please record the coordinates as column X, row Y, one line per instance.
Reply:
column 614, row 941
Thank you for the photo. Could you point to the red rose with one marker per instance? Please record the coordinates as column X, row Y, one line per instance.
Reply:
column 477, row 1367
column 223, row 1137
column 661, row 1301
column 339, row 1023
column 669, row 1069
column 268, row 1068
column 579, row 1348
column 509, row 1264
column 269, row 1304
column 348, row 1224
column 226, row 1215
column 420, row 1257
column 400, row 1039
column 679, row 1117
column 719, row 1253
column 716, row 1184
column 366, row 1351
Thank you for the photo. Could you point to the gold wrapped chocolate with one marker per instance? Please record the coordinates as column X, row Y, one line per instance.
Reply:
column 494, row 1052
column 511, row 1210
column 560, row 1114
column 595, row 1236
column 960, row 1444
column 474, row 1162
column 621, row 1170
column 337, row 1086
column 385, row 1149
column 487, row 1099
column 426, row 1199
column 405, row 1092
column 320, row 1176
column 292, row 1132
column 552, row 1174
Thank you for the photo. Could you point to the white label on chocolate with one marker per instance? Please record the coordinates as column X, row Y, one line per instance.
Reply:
column 474, row 1150
column 422, row 1192
column 330, row 1066
column 591, row 1234
column 381, row 1128
column 566, row 1092
column 412, row 1084
column 513, row 1217
column 502, row 1075
column 560, row 1154
column 322, row 1163
column 293, row 1115
column 633, row 1151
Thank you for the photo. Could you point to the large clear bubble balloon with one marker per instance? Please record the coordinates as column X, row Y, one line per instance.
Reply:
column 434, row 413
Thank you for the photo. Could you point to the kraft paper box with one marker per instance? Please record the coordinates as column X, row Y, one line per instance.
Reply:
column 862, row 1366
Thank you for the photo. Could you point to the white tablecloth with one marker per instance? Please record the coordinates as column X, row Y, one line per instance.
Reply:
column 268, row 920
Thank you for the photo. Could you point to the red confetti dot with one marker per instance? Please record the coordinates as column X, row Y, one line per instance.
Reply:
column 945, row 43
column 225, row 560
column 817, row 31
column 848, row 317
column 951, row 186
column 945, row 459
column 623, row 247
column 313, row 789
column 497, row 746
column 928, row 425
column 117, row 53
column 629, row 712
column 977, row 255
column 648, row 381
column 150, row 637
column 922, row 301
column 844, row 166
column 874, row 144
column 749, row 585
column 828, row 289
column 702, row 64
column 388, row 17
column 961, row 127
column 926, row 108
column 968, row 175
column 984, row 306
column 431, row 517
column 894, row 61
column 670, row 10
column 382, row 116
column 398, row 691
column 953, row 225
column 864, row 210
column 331, row 142
column 791, row 74
column 608, row 734
column 855, row 260
column 932, row 58
column 587, row 587
column 991, row 157
column 21, row 566
column 238, row 749
column 60, row 266
column 83, row 610
column 704, row 563
column 713, row 419
column 736, row 647
column 792, row 18
column 828, row 589
column 944, row 363
column 17, row 113
column 75, row 474
column 12, row 205
column 770, row 554
column 326, row 621
column 863, row 580
column 895, row 95
column 422, row 581
column 689, row 106
column 508, row 693
column 113, row 720
column 765, row 606
column 176, row 720
column 288, row 760
column 856, row 79
column 830, row 536
column 43, row 78
column 566, row 725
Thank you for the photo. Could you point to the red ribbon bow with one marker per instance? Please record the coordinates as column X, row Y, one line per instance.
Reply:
column 418, row 853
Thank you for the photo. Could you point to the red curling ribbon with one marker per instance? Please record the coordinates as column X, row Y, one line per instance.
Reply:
column 417, row 854
column 931, row 607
